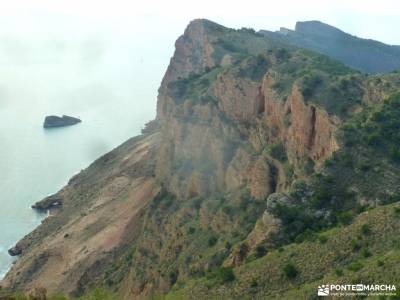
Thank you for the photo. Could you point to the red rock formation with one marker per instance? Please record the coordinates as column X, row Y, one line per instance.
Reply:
column 193, row 54
column 307, row 130
column 238, row 97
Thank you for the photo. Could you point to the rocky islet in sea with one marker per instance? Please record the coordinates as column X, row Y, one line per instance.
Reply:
column 56, row 121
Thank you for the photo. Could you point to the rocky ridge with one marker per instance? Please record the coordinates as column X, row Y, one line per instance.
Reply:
column 366, row 55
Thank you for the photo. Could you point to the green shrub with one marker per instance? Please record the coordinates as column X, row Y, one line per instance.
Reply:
column 322, row 239
column 365, row 229
column 228, row 210
column 260, row 251
column 228, row 246
column 309, row 84
column 307, row 235
column 98, row 294
column 290, row 270
column 396, row 211
column 244, row 202
column 339, row 272
column 212, row 241
column 222, row 275
column 366, row 253
column 196, row 202
column 296, row 220
column 254, row 68
column 288, row 169
column 394, row 153
column 355, row 266
column 355, row 246
column 128, row 258
column 344, row 217
column 278, row 151
column 392, row 198
column 20, row 296
column 364, row 166
column 228, row 46
column 162, row 200
column 322, row 195
column 287, row 121
column 281, row 87
column 282, row 54
column 254, row 283
column 173, row 277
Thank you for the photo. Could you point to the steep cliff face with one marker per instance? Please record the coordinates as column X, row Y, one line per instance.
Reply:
column 193, row 51
column 239, row 98
column 240, row 120
column 229, row 110
column 193, row 54
column 307, row 130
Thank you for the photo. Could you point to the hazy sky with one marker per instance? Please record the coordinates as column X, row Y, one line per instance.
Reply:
column 365, row 18
column 138, row 36
column 166, row 19
column 36, row 31
column 89, row 31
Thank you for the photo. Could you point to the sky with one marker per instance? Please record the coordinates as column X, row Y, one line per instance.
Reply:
column 33, row 31
column 167, row 19
column 109, row 32
column 104, row 31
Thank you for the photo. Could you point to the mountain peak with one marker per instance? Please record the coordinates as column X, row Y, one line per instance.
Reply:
column 205, row 25
column 365, row 55
column 316, row 27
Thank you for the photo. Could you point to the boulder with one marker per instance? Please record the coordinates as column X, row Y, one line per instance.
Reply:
column 14, row 251
column 278, row 198
column 48, row 203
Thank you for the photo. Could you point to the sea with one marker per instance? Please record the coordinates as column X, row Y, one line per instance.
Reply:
column 110, row 83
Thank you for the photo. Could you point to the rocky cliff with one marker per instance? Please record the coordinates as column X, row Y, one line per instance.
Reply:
column 242, row 123
column 209, row 130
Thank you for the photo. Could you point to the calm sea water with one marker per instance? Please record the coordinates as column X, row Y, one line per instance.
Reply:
column 111, row 86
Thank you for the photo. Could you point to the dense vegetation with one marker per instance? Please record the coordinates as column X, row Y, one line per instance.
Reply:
column 194, row 87
column 321, row 80
column 368, row 250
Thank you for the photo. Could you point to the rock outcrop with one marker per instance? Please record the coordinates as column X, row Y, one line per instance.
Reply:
column 50, row 202
column 306, row 129
column 239, row 98
column 56, row 121
column 193, row 55
column 14, row 251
